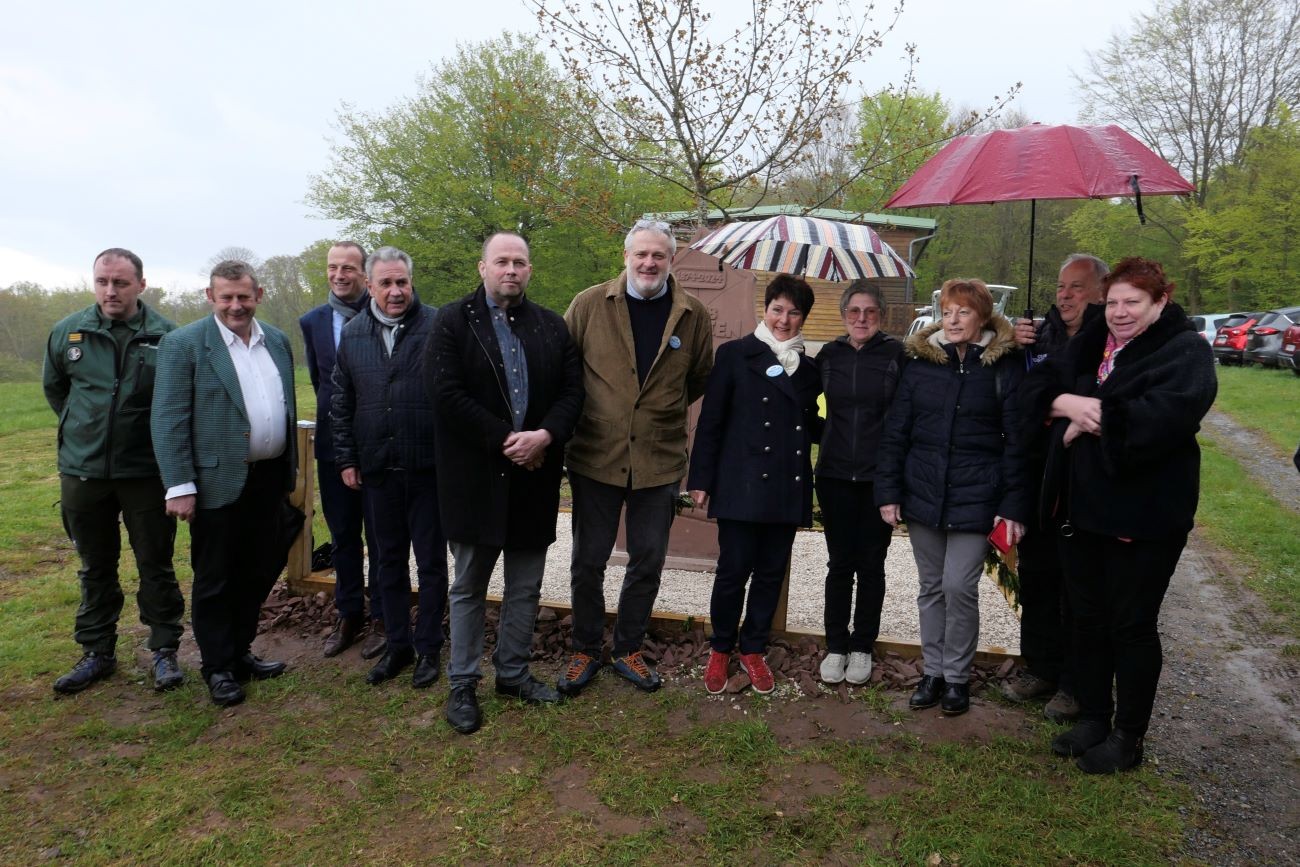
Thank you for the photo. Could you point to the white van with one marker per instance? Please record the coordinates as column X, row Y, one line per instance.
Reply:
column 925, row 315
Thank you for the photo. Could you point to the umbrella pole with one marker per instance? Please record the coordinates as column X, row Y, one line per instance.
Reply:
column 1029, row 280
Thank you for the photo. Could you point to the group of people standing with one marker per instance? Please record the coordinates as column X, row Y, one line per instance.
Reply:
column 455, row 426
column 1074, row 438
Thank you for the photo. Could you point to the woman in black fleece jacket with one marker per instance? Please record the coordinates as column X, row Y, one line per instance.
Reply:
column 1125, row 399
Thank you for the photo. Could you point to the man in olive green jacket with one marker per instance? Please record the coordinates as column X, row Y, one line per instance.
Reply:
column 98, row 378
column 647, row 348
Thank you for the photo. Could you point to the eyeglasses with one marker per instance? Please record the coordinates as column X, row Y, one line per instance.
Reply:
column 860, row 312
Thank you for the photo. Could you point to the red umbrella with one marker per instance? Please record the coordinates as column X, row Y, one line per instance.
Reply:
column 1040, row 162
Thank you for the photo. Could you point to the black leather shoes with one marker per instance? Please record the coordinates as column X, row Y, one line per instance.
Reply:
column 462, row 710
column 1085, row 735
column 390, row 665
column 224, row 689
column 927, row 693
column 1121, row 751
column 376, row 642
column 344, row 634
column 530, row 690
column 166, row 670
column 956, row 699
column 91, row 667
column 426, row 671
column 250, row 667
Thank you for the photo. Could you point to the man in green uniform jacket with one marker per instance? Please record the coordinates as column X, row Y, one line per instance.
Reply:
column 98, row 378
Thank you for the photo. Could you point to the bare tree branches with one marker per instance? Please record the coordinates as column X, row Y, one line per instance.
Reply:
column 1195, row 76
column 721, row 116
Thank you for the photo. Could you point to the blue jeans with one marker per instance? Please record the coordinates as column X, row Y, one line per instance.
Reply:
column 523, row 588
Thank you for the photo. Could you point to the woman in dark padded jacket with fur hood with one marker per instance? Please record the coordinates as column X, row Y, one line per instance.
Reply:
column 1125, row 398
column 951, row 466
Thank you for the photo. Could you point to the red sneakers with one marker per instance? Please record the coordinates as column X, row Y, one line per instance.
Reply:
column 760, row 676
column 715, row 676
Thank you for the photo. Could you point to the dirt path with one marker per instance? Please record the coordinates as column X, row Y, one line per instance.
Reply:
column 1226, row 716
column 1258, row 455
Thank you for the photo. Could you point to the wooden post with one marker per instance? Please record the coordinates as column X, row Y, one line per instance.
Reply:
column 304, row 498
column 779, row 616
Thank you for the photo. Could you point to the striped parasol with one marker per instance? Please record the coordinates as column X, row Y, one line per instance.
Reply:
column 809, row 246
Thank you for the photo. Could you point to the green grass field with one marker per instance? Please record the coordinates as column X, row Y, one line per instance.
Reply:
column 1264, row 400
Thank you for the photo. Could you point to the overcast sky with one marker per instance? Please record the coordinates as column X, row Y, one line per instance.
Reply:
column 178, row 129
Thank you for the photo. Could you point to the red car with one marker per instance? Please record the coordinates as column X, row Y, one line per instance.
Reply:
column 1289, row 354
column 1230, row 343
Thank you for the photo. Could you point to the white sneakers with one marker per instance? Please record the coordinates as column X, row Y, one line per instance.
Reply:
column 859, row 669
column 853, row 667
column 833, row 667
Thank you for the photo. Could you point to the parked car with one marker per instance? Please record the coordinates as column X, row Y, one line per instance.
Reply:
column 1208, row 324
column 1289, row 355
column 1265, row 336
column 1230, row 342
column 925, row 315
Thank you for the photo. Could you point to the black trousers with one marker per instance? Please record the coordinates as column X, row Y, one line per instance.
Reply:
column 596, row 507
column 1116, row 589
column 856, row 542
column 755, row 556
column 404, row 515
column 91, row 508
column 345, row 514
column 237, row 552
column 1046, row 619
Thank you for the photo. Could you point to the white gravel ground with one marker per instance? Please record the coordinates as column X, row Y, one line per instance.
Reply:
column 688, row 592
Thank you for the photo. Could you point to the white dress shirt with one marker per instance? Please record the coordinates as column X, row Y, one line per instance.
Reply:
column 263, row 390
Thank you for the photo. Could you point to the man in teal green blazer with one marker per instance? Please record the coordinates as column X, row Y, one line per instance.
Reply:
column 223, row 431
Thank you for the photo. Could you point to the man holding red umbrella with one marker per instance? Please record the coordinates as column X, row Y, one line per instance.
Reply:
column 1045, row 620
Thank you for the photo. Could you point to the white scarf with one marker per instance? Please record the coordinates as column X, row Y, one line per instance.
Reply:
column 787, row 351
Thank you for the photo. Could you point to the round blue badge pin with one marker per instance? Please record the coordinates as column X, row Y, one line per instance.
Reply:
column 675, row 342
column 775, row 370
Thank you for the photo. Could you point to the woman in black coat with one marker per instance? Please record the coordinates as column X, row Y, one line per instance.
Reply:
column 859, row 372
column 951, row 466
column 1125, row 399
column 751, row 465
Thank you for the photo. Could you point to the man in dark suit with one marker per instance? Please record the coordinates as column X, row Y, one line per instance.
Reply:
column 223, row 431
column 322, row 328
column 507, row 382
column 383, row 444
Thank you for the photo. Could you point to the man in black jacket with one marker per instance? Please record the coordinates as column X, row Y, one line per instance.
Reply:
column 322, row 328
column 1044, row 611
column 507, row 381
column 384, row 447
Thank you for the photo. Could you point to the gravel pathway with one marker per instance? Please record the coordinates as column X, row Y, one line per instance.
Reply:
column 1258, row 455
column 688, row 592
column 1225, row 717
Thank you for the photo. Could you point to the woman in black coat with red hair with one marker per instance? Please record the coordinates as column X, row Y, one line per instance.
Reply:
column 1125, row 399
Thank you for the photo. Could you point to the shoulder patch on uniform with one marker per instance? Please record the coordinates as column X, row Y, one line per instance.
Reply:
column 74, row 353
column 74, row 337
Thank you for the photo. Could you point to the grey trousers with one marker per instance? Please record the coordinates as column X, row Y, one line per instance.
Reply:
column 468, row 601
column 950, row 565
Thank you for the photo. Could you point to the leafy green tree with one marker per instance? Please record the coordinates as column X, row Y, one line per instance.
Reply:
column 897, row 132
column 1192, row 78
column 484, row 146
column 1246, row 240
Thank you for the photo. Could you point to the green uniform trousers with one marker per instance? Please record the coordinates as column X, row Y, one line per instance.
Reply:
column 90, row 515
